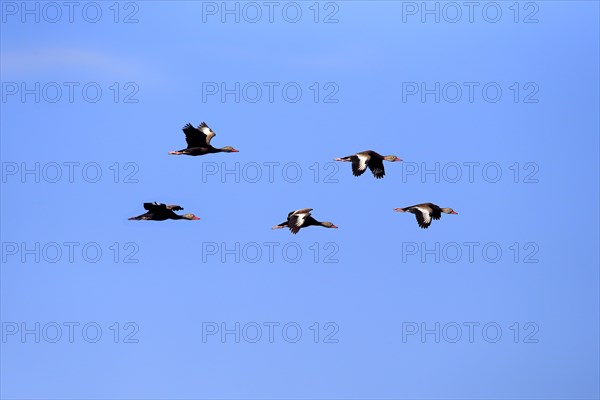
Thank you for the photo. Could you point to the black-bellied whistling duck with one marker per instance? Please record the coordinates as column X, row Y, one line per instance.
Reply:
column 425, row 212
column 198, row 141
column 301, row 219
column 368, row 158
column 161, row 212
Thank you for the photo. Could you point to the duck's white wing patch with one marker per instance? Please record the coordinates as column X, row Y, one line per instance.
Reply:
column 363, row 159
column 210, row 136
column 207, row 131
column 298, row 219
column 425, row 213
column 204, row 128
column 423, row 216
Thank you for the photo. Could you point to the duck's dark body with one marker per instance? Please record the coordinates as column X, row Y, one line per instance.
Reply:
column 299, row 219
column 199, row 151
column 293, row 220
column 426, row 212
column 198, row 142
column 368, row 159
column 160, row 212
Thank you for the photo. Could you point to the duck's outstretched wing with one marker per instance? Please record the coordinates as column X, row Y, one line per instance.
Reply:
column 207, row 131
column 297, row 219
column 197, row 137
column 359, row 163
column 424, row 220
column 300, row 211
column 376, row 166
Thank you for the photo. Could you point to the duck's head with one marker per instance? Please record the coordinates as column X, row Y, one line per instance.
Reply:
column 448, row 211
column 229, row 149
column 190, row 217
column 392, row 158
column 328, row 225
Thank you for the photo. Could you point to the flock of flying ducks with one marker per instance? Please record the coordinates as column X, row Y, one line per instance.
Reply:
column 198, row 144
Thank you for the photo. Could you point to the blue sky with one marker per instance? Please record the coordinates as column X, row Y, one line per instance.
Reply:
column 362, row 287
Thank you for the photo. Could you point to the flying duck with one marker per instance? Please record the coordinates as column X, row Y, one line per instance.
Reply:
column 161, row 212
column 368, row 158
column 425, row 212
column 301, row 219
column 198, row 141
